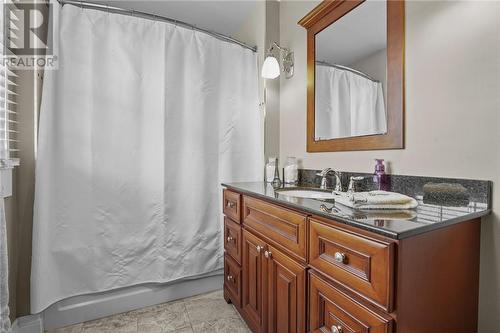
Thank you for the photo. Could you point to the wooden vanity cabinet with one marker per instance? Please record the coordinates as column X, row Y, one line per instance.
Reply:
column 290, row 271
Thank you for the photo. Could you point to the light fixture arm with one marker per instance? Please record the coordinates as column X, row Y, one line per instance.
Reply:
column 274, row 44
column 285, row 57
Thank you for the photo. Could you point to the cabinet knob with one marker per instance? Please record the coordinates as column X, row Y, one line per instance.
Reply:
column 259, row 248
column 268, row 254
column 230, row 278
column 230, row 204
column 340, row 257
column 230, row 239
column 336, row 329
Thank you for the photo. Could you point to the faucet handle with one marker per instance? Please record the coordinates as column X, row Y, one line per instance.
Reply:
column 354, row 183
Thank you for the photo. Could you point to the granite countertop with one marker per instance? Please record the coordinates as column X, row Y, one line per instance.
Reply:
column 392, row 224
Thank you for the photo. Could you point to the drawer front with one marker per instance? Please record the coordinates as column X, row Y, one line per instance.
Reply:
column 232, row 205
column 232, row 280
column 232, row 239
column 362, row 264
column 285, row 227
column 331, row 310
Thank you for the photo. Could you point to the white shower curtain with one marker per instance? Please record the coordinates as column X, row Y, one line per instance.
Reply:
column 4, row 273
column 138, row 127
column 347, row 104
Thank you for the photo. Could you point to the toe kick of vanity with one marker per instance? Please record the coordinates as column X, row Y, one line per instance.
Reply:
column 288, row 270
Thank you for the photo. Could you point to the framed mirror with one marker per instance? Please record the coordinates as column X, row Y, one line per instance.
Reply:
column 355, row 75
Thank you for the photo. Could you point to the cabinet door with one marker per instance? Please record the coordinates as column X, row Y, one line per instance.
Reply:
column 254, row 287
column 286, row 293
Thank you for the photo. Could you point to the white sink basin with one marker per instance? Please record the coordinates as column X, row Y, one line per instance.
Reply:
column 305, row 193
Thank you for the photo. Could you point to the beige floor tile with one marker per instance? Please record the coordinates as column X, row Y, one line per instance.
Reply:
column 203, row 313
column 208, row 307
column 227, row 325
column 162, row 318
column 121, row 323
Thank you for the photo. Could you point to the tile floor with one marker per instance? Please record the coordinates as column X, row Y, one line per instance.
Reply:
column 202, row 313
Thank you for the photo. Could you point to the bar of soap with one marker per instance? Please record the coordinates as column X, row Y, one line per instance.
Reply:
column 446, row 194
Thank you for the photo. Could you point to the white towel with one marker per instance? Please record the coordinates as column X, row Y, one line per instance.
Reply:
column 376, row 200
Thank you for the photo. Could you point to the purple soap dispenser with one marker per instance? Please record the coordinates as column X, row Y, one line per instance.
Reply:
column 380, row 177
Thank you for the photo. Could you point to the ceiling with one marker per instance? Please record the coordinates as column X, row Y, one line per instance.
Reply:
column 356, row 35
column 225, row 17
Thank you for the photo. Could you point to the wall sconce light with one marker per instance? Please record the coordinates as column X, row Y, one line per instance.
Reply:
column 271, row 67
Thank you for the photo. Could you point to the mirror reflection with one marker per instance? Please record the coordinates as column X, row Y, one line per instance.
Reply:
column 351, row 74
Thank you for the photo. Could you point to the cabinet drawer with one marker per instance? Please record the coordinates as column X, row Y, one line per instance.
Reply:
column 232, row 239
column 285, row 227
column 232, row 205
column 362, row 264
column 232, row 280
column 331, row 310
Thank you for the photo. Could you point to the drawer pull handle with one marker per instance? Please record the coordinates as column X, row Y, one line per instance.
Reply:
column 231, row 204
column 268, row 254
column 230, row 278
column 337, row 329
column 340, row 257
column 259, row 248
column 230, row 239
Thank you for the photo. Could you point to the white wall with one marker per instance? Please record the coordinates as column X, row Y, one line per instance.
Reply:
column 452, row 111
column 260, row 28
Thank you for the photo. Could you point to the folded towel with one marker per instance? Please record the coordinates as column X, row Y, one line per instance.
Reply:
column 376, row 200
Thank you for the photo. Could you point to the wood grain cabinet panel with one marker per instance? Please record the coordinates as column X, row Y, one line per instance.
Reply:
column 232, row 239
column 286, row 293
column 232, row 280
column 362, row 264
column 254, row 282
column 285, row 227
column 232, row 205
column 331, row 310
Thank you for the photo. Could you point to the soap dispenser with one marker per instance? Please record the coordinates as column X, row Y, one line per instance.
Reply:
column 290, row 171
column 380, row 177
column 270, row 169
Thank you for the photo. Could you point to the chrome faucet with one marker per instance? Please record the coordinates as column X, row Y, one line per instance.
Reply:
column 324, row 181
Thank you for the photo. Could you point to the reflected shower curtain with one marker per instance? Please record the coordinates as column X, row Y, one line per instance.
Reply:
column 138, row 127
column 347, row 104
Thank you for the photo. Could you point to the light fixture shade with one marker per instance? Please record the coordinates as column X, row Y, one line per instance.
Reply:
column 270, row 68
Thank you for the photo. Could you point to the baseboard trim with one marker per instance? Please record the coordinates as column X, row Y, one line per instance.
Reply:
column 89, row 307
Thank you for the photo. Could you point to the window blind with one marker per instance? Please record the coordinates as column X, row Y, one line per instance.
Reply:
column 8, row 119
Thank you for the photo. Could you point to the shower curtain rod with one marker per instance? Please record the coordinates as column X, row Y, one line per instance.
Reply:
column 349, row 69
column 132, row 12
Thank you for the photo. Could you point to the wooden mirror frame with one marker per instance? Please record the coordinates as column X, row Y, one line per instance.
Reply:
column 323, row 16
